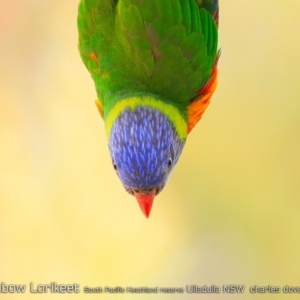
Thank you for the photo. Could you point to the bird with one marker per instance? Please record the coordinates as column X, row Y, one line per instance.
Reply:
column 154, row 66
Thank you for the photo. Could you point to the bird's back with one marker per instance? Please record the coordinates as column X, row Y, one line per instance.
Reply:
column 164, row 48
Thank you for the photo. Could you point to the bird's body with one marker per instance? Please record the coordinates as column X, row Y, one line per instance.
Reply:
column 154, row 64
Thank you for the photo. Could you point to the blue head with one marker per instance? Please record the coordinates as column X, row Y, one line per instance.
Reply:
column 144, row 148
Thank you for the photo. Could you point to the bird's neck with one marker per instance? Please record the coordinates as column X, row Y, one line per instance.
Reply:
column 176, row 116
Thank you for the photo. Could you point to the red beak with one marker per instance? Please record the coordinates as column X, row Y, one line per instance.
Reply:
column 145, row 200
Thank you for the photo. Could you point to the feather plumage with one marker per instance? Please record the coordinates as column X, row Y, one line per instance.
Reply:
column 149, row 58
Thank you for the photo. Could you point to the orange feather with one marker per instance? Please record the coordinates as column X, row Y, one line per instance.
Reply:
column 202, row 100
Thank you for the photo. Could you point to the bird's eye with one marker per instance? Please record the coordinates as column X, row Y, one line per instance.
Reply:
column 115, row 166
column 170, row 162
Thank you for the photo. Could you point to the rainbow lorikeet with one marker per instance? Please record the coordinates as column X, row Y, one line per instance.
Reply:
column 154, row 64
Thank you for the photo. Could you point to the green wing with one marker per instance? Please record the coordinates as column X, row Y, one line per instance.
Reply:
column 95, row 26
column 212, row 6
column 162, row 47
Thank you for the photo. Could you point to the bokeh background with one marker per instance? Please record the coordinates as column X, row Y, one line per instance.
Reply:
column 230, row 212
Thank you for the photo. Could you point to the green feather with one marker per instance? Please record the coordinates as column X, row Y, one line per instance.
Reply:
column 164, row 48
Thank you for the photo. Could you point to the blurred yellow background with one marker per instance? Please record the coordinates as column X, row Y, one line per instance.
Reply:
column 230, row 212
